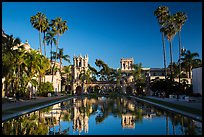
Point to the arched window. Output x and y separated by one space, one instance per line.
124 65
80 64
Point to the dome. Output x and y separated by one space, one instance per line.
26 45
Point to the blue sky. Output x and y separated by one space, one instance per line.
107 30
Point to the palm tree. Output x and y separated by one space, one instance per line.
67 71
45 30
99 63
17 70
22 65
85 76
180 19
161 13
58 27
61 56
39 22
50 39
175 67
118 77
8 60
43 64
106 73
32 66
64 57
190 60
137 71
170 31
93 72
8 44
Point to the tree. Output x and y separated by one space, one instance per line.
64 57
68 72
93 72
106 72
137 72
39 22
45 88
45 30
162 13
175 67
180 19
170 31
8 44
139 78
118 77
189 60
8 60
50 39
61 56
58 27
19 60
43 65
85 77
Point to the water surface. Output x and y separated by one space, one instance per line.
102 116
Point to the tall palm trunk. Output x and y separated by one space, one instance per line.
40 41
44 45
61 71
179 34
51 53
55 56
18 80
67 83
171 60
164 52
40 80
51 58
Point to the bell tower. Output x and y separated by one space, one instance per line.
126 64
80 63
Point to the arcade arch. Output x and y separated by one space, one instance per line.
78 90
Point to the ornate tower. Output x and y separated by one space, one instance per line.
126 64
80 63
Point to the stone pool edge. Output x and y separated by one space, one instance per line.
190 115
20 113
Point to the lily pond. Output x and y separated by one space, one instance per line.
102 116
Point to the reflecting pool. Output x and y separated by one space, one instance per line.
102 116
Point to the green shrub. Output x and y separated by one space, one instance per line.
45 88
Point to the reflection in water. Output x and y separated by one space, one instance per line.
101 115
128 121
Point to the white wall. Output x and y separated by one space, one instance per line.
56 81
197 80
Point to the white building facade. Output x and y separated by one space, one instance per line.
197 80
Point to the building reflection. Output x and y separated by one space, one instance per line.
78 111
80 118
128 121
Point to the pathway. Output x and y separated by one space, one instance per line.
22 103
197 104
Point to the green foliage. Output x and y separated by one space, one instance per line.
168 87
45 88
